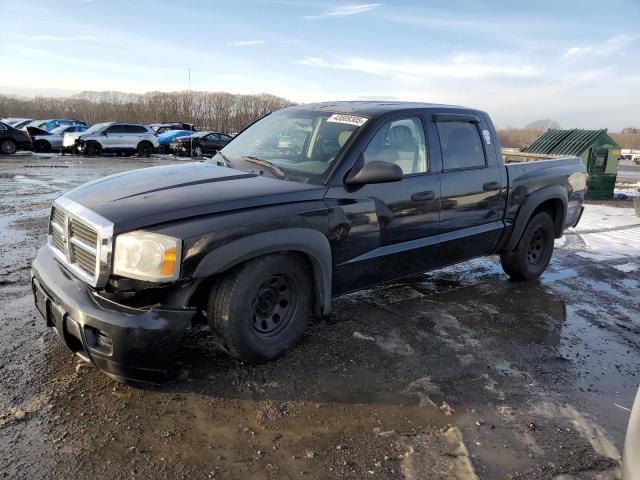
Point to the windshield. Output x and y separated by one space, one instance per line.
97 128
200 134
59 130
300 143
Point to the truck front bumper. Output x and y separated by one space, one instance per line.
125 343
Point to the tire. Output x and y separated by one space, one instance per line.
532 255
260 309
92 149
145 149
42 146
8 146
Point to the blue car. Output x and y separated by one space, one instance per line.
165 139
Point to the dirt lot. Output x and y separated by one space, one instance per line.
459 373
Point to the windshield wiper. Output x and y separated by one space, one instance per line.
259 161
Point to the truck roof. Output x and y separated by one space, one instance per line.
371 108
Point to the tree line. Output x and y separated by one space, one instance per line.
219 111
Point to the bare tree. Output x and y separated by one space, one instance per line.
218 111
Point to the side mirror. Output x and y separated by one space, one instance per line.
375 172
103 133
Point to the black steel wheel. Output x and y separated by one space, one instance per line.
532 255
259 309
274 305
537 247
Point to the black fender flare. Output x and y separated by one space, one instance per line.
312 243
533 201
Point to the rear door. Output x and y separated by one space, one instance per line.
472 187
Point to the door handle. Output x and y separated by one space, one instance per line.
423 196
491 186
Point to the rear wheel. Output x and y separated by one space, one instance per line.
533 253
260 309
145 149
8 146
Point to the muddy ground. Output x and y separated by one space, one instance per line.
455 374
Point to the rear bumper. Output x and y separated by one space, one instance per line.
125 343
24 145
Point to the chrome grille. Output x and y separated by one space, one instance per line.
82 240
57 228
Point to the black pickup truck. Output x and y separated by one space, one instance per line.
308 203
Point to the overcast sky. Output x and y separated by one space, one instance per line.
577 62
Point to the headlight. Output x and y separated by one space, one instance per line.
147 256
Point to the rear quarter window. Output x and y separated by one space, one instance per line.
461 145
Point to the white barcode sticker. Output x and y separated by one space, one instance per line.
349 119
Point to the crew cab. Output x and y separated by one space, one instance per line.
310 202
114 137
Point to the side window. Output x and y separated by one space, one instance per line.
214 137
400 141
115 129
461 145
139 129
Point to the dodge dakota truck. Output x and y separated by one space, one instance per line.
308 203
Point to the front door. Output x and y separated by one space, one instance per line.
472 188
392 227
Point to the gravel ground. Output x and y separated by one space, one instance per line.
459 373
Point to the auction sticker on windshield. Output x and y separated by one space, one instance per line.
349 119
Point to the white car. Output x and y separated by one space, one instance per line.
112 137
631 460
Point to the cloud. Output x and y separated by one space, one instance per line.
412 71
346 10
612 46
245 43
55 38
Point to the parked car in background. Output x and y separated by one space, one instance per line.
164 127
52 141
50 124
13 139
115 137
636 159
16 122
204 143
165 139
631 458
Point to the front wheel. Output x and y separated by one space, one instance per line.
92 149
260 309
532 255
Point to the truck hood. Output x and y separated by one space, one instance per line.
150 196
